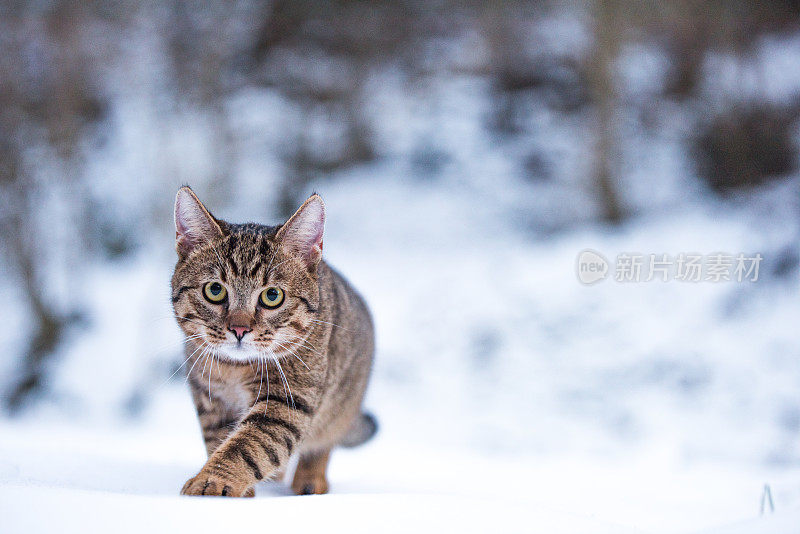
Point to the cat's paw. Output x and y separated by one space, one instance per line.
309 485
209 483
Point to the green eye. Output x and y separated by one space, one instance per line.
272 297
214 292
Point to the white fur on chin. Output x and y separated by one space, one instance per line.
240 353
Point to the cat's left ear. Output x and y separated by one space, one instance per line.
194 224
302 233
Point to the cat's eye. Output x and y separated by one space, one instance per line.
272 297
215 292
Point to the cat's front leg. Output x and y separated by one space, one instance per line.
259 448
217 420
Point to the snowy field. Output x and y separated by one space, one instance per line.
126 480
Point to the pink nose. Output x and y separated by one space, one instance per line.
239 331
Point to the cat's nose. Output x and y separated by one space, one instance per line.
239 330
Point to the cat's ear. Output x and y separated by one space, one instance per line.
194 225
302 233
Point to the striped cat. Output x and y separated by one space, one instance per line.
279 348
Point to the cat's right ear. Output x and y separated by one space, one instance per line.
194 224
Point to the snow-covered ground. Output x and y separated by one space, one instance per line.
125 479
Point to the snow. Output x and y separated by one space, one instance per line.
126 478
339 513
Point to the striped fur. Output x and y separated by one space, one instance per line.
294 384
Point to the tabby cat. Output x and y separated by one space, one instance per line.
279 348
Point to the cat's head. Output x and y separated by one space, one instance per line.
246 291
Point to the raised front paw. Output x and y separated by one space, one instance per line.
210 483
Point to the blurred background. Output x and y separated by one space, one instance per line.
467 152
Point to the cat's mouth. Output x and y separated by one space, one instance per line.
241 351
246 351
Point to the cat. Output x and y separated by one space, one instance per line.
279 348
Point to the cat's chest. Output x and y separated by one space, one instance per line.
234 394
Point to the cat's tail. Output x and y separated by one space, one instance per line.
363 429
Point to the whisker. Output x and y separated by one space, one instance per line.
184 362
304 339
299 346
301 338
211 370
174 344
285 384
302 344
195 362
260 381
187 319
266 368
205 362
290 351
